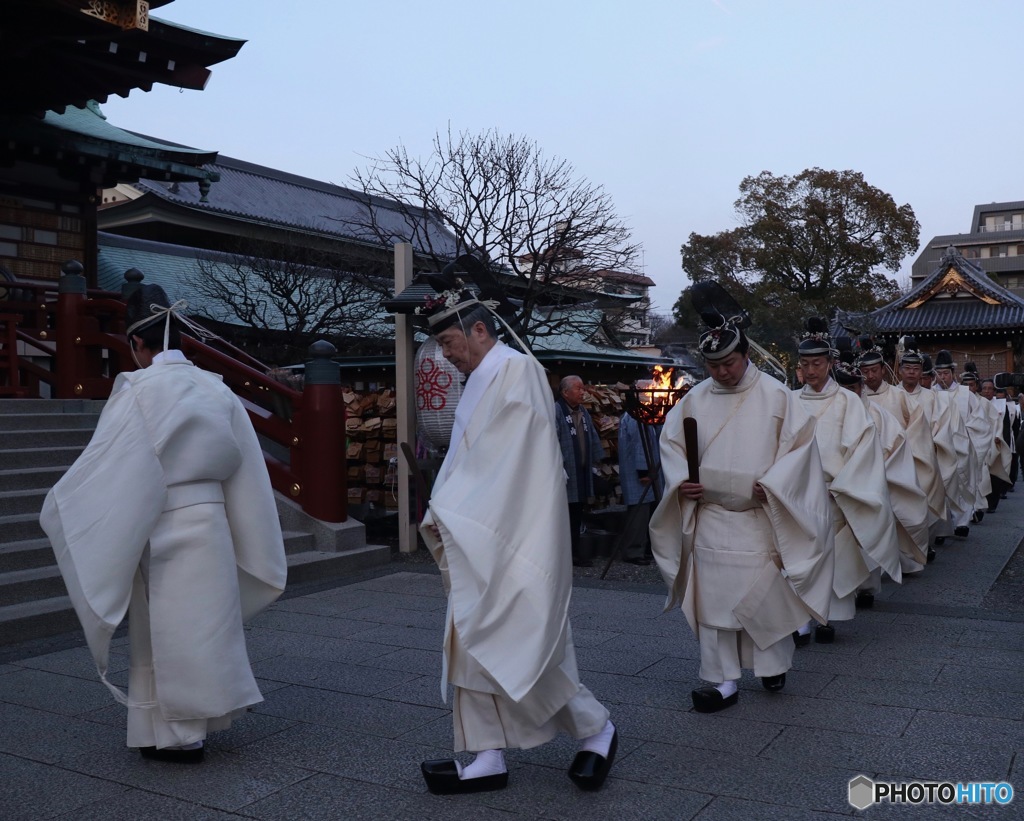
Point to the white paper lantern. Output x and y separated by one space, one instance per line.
438 388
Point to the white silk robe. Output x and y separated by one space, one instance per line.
998 455
754 432
966 462
170 508
500 506
909 502
938 420
917 428
854 468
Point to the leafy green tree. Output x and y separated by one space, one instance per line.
805 245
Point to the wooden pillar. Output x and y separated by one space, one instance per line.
70 295
405 398
323 491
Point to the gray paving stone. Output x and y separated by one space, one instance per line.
224 781
53 738
341 752
44 690
30 790
787 709
956 694
346 599
582 637
389 635
734 774
425 690
995 639
613 689
438 734
719 731
679 646
600 660
77 662
265 643
929 727
7 668
905 757
133 805
330 675
248 729
632 626
419 584
409 660
327 796
735 809
290 622
922 670
388 719
401 617
544 792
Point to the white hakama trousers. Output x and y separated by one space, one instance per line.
732 549
189 670
490 721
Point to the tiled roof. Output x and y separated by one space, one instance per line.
173 267
956 296
272 197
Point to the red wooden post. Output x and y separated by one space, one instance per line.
70 295
321 462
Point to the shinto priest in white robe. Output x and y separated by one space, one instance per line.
169 515
500 506
918 431
744 571
909 502
937 416
851 458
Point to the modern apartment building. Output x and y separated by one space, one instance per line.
995 243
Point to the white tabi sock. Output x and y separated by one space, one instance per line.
599 742
487 762
805 630
726 688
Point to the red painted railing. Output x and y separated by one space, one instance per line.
72 340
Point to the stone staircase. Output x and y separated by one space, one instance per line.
39 439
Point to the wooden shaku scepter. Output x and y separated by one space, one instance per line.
690 440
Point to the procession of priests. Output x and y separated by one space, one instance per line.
784 510
780 513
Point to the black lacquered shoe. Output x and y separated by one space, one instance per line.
442 777
774 683
801 639
864 600
932 555
175 756
961 531
710 700
824 634
589 770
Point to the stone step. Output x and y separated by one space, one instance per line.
47 421
37 619
17 586
69 406
20 528
29 478
53 615
316 565
296 542
26 554
40 457
59 438
16 502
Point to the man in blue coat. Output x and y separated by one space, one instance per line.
581 452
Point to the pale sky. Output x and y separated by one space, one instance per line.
667 105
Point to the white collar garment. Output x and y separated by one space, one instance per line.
479 381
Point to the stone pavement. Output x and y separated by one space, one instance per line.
927 685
